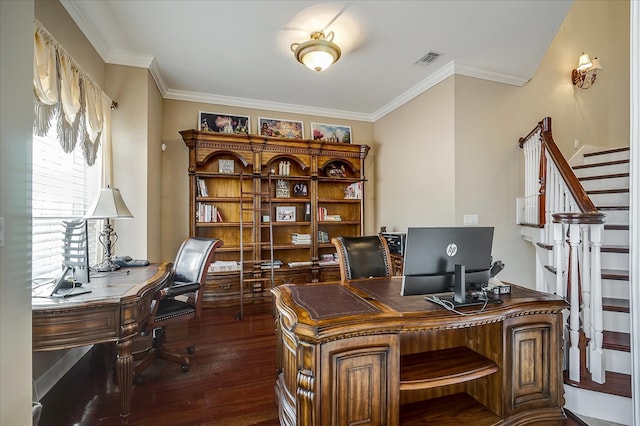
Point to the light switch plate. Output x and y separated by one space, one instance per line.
470 219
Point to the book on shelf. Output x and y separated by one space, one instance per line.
328 259
322 212
207 212
298 264
301 239
323 237
332 218
307 212
224 266
203 191
268 265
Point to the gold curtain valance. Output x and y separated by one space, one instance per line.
65 96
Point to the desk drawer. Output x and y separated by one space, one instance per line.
60 330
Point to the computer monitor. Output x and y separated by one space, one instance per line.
75 260
432 253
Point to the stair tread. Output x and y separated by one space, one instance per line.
613 208
615 305
615 227
607 176
615 384
604 163
615 274
616 340
607 151
615 248
609 191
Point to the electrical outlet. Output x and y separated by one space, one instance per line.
576 143
470 219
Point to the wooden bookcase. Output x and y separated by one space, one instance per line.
229 172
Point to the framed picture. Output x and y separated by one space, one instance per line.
225 166
280 128
285 214
330 133
223 123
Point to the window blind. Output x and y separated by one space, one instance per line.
63 186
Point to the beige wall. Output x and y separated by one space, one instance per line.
136 159
474 125
415 151
16 122
181 115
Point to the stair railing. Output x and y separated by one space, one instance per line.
556 201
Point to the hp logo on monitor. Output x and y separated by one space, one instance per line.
452 249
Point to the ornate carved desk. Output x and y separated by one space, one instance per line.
362 354
118 304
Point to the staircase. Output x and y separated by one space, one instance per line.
583 254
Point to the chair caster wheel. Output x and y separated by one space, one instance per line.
138 380
191 350
184 368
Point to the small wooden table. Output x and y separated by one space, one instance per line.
114 311
362 354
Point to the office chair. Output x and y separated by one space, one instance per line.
179 300
363 257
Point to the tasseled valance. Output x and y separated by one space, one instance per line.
65 96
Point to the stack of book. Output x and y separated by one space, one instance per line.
268 265
301 239
328 259
224 266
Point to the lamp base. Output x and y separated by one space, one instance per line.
106 266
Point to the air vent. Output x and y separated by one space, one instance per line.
428 59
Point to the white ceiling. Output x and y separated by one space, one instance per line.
238 52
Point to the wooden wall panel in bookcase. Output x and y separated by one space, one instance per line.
323 185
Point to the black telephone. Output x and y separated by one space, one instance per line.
128 261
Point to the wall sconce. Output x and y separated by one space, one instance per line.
319 53
584 76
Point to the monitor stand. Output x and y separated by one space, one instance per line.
460 297
64 287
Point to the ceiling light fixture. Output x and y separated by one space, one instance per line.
319 53
584 76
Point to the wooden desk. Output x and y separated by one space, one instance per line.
362 354
114 311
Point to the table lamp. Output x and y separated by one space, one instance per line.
108 205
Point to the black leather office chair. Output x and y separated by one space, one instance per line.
363 257
179 300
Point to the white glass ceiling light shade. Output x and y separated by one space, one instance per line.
319 53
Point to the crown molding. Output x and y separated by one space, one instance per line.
181 95
498 77
87 28
441 74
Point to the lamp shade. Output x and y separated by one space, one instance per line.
595 64
107 205
584 63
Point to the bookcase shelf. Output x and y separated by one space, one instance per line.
319 176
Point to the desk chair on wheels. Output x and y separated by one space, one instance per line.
363 257
179 300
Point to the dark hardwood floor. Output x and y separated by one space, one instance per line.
230 382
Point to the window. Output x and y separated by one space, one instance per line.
63 187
